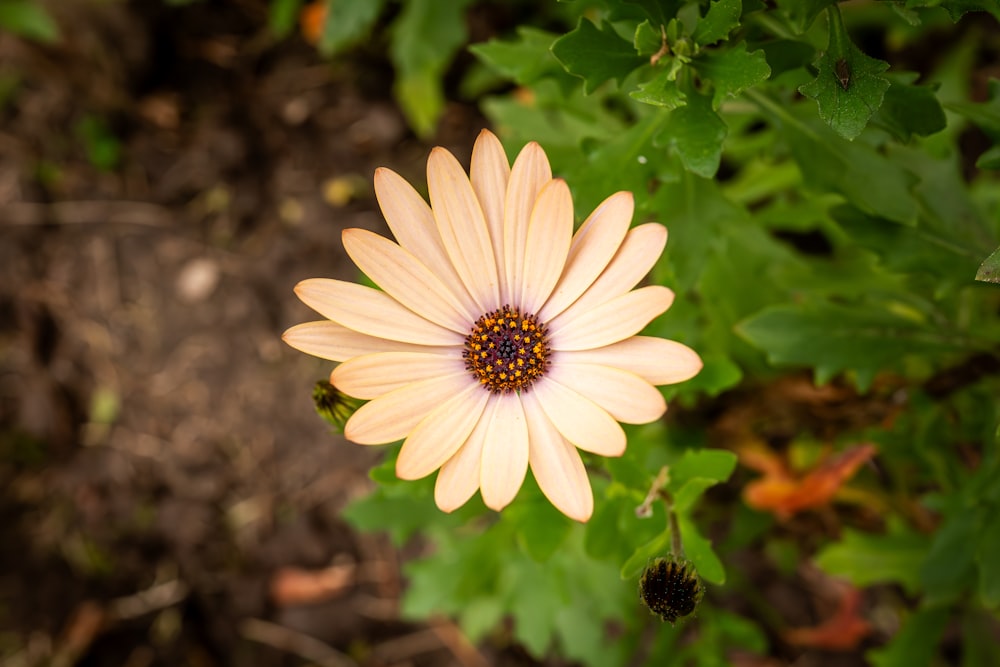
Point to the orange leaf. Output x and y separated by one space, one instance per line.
311 20
293 586
841 632
785 495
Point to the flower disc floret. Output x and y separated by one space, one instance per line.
507 350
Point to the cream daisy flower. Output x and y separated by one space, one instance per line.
500 340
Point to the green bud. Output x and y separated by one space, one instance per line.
670 588
333 405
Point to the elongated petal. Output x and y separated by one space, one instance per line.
392 416
612 321
489 173
439 435
458 479
636 256
372 375
626 396
556 464
371 312
329 340
594 244
580 420
550 231
505 452
406 279
656 360
412 223
531 171
462 227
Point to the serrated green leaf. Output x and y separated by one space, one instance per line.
849 85
648 39
698 549
802 13
987 558
863 176
865 559
696 133
661 91
784 55
28 19
958 8
989 270
990 159
596 54
915 645
949 568
712 464
985 115
425 37
865 338
346 24
731 71
909 110
659 12
526 60
722 17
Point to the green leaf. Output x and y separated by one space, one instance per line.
731 71
802 13
990 159
696 133
989 270
28 19
647 39
987 557
986 115
958 8
916 644
711 464
909 110
661 91
866 178
691 492
865 559
526 60
659 12
425 37
540 528
282 16
865 338
849 86
784 55
949 568
596 54
658 546
723 17
346 24
698 550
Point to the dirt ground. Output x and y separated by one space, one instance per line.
167 493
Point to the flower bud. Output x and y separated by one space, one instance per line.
333 405
670 588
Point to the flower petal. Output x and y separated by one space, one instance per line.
656 360
462 226
406 279
439 435
371 312
636 256
372 375
458 479
594 244
505 452
626 396
489 173
530 172
412 223
580 420
329 340
550 231
392 416
612 321
556 464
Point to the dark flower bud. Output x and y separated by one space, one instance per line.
670 588
333 405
